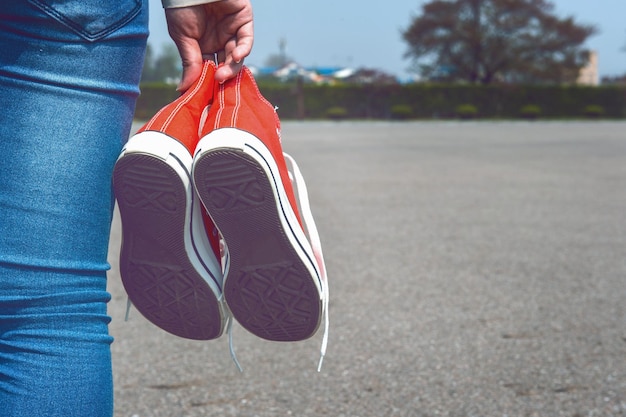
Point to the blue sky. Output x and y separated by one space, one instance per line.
362 33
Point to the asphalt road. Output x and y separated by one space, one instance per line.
476 269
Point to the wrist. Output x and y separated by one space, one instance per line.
171 4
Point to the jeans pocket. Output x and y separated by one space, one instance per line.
91 19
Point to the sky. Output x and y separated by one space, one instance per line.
361 33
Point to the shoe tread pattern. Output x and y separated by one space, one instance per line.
268 288
156 271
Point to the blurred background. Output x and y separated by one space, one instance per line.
478 58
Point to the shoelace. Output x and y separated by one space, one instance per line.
302 199
229 331
231 347
225 260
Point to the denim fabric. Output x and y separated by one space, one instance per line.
69 74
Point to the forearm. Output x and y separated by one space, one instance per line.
170 4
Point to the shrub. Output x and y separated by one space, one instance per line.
466 111
427 100
530 111
154 96
401 112
593 111
336 113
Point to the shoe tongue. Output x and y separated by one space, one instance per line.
207 123
240 104
190 108
181 118
202 91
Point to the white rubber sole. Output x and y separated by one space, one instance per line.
166 263
273 286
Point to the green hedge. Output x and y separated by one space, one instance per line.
423 101
154 96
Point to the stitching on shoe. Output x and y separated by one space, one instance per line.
187 99
218 116
237 99
260 96
179 105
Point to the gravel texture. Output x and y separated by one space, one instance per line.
476 269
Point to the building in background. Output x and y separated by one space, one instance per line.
589 73
325 75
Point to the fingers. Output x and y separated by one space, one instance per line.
245 39
191 57
231 65
236 50
227 71
185 26
203 28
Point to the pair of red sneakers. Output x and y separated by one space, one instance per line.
208 170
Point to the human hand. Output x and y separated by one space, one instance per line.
224 27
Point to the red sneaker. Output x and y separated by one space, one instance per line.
276 283
169 268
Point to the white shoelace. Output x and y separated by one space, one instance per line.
310 230
229 331
231 347
128 306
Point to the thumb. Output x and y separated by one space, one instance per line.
191 56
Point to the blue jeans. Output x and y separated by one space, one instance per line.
69 75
